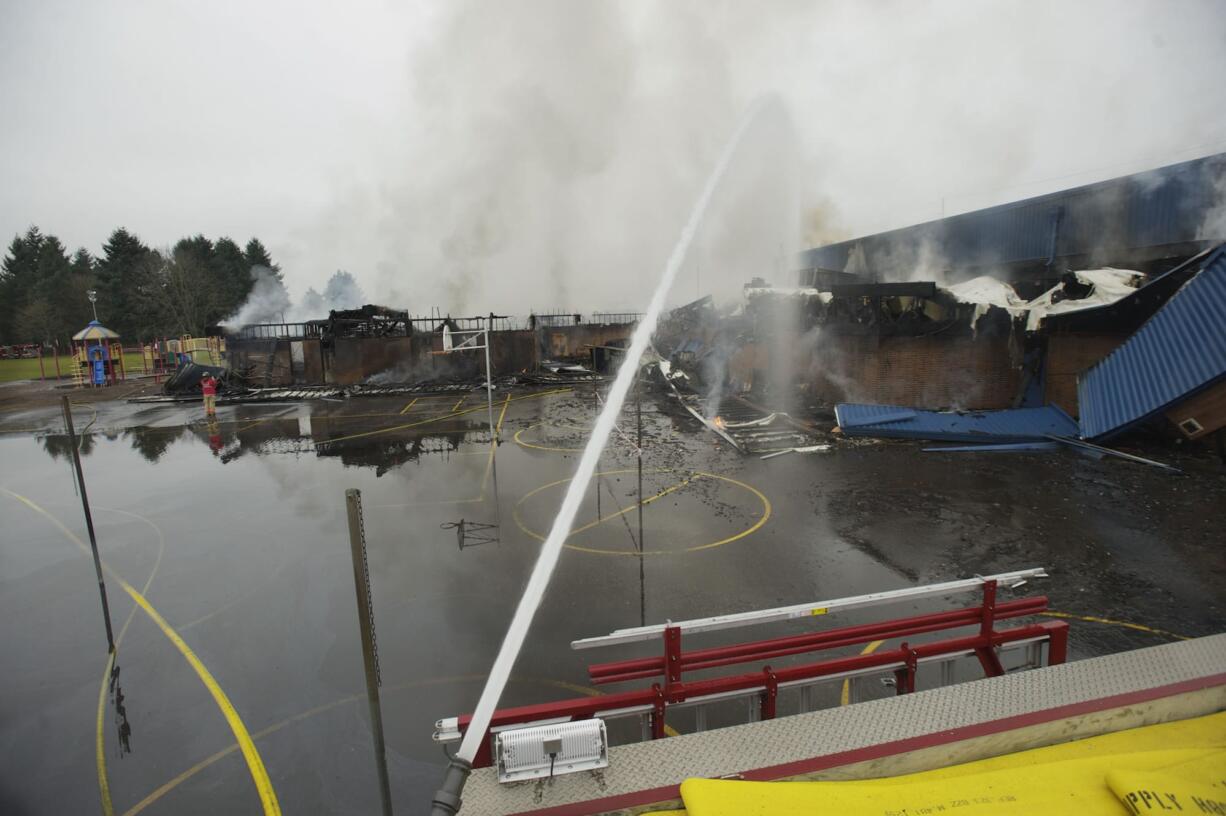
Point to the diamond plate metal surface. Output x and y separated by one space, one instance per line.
727 751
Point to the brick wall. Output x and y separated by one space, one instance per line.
1069 354
920 372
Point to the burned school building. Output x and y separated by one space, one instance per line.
1004 307
378 344
1020 305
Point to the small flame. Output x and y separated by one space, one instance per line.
718 422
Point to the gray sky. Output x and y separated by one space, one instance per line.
545 153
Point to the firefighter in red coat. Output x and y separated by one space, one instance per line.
208 386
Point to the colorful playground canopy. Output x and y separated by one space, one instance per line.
95 331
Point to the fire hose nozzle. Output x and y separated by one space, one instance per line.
447 798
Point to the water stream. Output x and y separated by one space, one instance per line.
552 548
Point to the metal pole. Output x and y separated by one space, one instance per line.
366 625
489 380
638 408
638 405
89 523
595 417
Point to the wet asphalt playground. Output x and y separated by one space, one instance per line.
232 595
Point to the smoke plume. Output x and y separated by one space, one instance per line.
551 148
269 301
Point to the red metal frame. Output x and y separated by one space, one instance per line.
674 662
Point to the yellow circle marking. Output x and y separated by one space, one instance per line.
766 513
1051 613
845 695
519 440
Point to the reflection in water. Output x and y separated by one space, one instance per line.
384 451
151 443
215 443
122 727
59 446
387 452
472 533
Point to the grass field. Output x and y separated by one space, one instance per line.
27 369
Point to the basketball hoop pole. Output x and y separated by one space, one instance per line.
489 381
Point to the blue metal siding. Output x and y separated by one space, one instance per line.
1158 207
1179 351
898 422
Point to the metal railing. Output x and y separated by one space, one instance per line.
762 686
277 331
614 318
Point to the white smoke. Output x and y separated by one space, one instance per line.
1213 227
269 301
544 150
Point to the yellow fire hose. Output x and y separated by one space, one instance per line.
1179 766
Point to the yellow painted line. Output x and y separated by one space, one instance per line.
644 503
489 463
519 440
255 422
456 407
765 516
183 627
523 443
1112 622
845 696
489 466
268 797
519 522
255 764
412 402
437 418
104 785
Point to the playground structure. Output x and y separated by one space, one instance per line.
99 356
161 357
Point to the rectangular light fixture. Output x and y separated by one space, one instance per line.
551 750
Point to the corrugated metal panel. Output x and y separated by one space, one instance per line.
898 422
1155 208
1179 351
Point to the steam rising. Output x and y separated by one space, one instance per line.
547 145
269 301
516 155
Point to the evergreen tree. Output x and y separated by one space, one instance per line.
83 263
141 293
128 287
49 310
343 292
75 304
234 279
18 280
313 306
257 255
192 289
